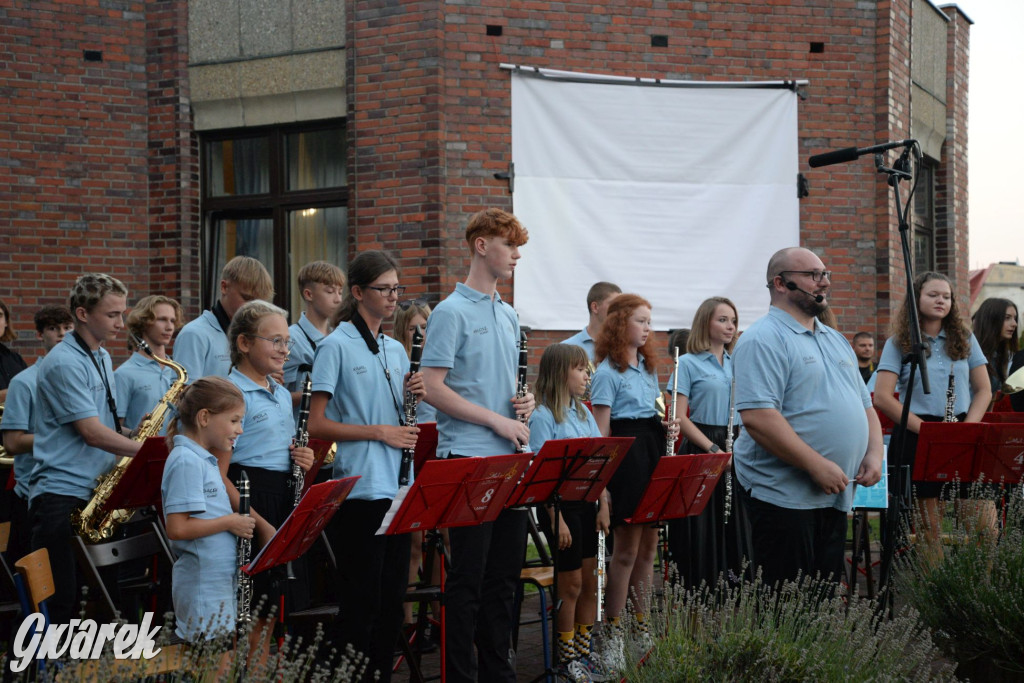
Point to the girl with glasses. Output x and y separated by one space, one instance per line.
360 377
260 342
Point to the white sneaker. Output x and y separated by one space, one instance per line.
643 643
612 653
574 671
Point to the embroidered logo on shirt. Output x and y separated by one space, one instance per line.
259 417
480 330
211 491
359 369
810 359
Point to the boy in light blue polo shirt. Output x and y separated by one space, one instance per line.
52 323
598 298
141 380
469 368
321 285
202 345
77 436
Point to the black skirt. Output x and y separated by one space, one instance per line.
630 480
708 545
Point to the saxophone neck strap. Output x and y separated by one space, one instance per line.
103 376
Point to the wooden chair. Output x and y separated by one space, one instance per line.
34 571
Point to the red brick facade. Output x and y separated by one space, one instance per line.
99 166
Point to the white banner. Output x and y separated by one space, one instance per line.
673 193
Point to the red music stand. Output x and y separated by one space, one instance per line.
680 486
139 486
1003 418
303 526
568 470
320 450
969 452
455 492
426 445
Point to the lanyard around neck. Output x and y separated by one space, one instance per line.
103 376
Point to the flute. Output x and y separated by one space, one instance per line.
409 408
521 386
600 571
301 439
670 437
244 552
728 448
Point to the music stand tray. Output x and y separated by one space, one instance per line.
139 486
303 526
575 469
680 486
426 445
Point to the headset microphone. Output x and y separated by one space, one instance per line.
790 285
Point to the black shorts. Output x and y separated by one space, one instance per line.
581 518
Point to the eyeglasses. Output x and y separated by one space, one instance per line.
816 275
388 291
279 343
419 303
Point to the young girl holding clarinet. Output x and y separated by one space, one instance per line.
200 524
362 390
959 383
624 392
259 342
560 414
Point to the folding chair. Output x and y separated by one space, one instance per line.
151 583
34 571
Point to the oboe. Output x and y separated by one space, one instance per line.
409 408
670 438
728 447
301 439
244 553
521 386
950 415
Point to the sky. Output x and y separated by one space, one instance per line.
995 102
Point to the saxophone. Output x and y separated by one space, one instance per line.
950 415
409 408
95 523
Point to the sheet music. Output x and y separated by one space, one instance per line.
389 516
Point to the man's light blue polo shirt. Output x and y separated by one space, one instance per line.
203 577
706 386
68 389
476 338
813 381
631 394
202 348
18 415
362 394
938 372
583 338
268 427
141 383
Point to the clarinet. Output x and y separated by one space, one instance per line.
244 557
670 440
301 440
950 415
521 386
728 448
409 407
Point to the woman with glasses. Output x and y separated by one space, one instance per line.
360 378
260 342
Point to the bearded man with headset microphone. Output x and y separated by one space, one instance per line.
810 433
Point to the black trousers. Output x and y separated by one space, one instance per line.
373 574
50 516
789 543
480 598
